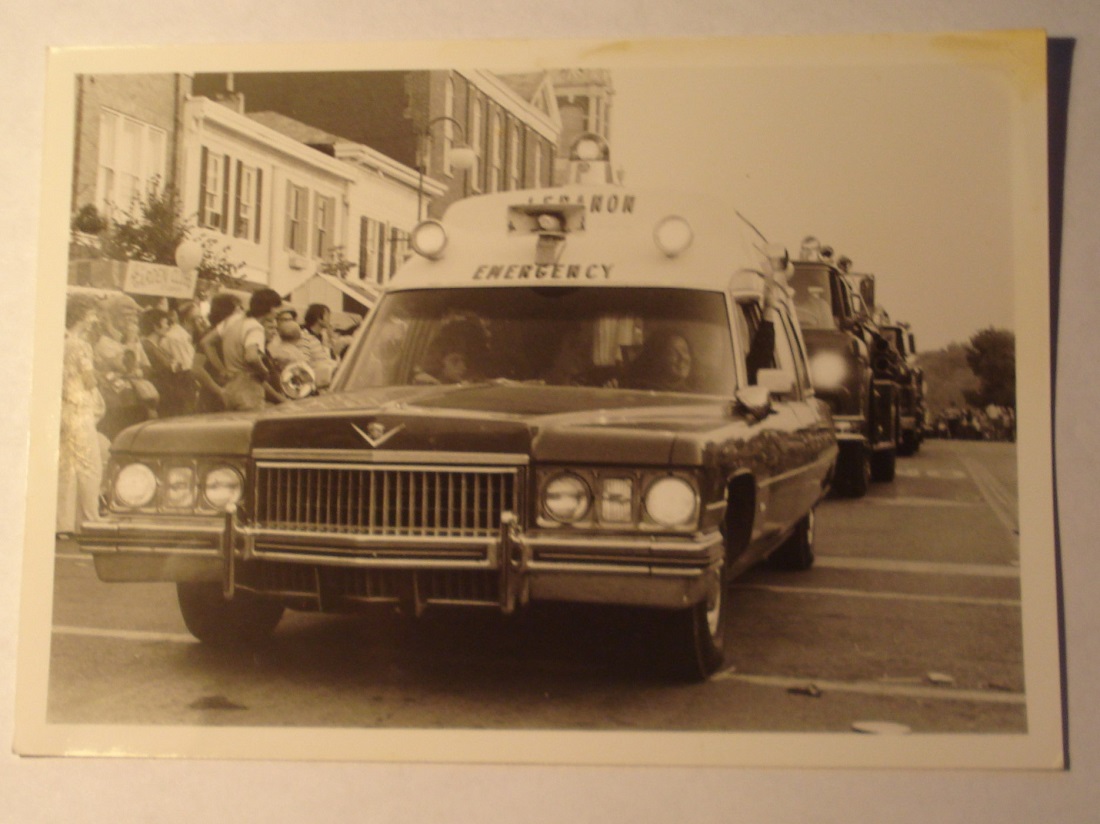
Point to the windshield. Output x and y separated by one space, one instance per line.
812 298
671 340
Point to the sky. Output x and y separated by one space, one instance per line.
906 169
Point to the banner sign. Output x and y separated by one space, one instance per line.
157 279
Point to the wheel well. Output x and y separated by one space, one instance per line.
740 513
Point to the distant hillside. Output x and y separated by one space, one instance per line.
947 375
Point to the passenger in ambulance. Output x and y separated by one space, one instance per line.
666 363
813 308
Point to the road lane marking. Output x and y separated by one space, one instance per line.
937 474
1000 500
874 688
884 596
918 567
126 634
916 501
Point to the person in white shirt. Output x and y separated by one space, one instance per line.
244 349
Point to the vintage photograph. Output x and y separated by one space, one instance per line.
639 403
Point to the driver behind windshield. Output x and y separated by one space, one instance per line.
457 355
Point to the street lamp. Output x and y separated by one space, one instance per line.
462 156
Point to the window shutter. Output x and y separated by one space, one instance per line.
383 241
288 238
202 187
237 228
330 226
259 200
225 196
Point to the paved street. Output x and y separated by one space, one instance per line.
911 615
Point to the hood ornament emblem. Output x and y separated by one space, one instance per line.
376 434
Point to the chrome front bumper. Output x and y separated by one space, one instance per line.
638 570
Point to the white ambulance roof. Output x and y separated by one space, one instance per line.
615 247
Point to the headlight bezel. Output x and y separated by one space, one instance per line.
678 486
178 485
126 501
582 490
235 472
609 510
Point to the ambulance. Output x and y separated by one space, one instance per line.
587 394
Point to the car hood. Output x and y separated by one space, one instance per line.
545 422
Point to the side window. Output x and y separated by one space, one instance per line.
756 339
793 348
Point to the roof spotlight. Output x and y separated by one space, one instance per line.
673 235
429 239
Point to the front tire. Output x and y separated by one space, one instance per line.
910 443
694 638
853 470
245 619
797 552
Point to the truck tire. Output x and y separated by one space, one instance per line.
883 465
853 470
244 620
910 443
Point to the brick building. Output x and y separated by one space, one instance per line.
514 137
126 137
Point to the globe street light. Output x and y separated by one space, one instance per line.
462 157
188 255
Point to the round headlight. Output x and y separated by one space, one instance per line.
222 486
828 370
135 485
179 487
671 502
566 498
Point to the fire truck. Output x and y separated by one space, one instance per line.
586 394
852 364
912 408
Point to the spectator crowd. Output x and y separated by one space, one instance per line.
125 362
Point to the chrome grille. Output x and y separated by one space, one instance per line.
416 501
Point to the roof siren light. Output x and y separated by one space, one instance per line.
811 247
673 235
844 264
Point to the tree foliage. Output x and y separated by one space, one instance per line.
947 376
151 233
991 355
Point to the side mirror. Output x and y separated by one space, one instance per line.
755 400
776 381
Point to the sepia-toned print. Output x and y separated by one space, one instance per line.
679 398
